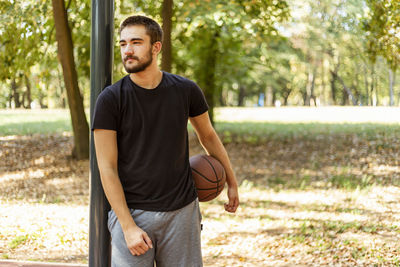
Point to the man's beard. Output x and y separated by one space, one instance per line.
141 66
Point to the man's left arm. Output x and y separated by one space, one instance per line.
214 147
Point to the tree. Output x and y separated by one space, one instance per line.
333 51
213 34
65 53
166 14
330 37
20 42
382 26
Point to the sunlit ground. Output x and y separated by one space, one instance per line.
304 227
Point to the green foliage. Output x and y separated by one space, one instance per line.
18 241
382 25
235 50
332 44
28 48
216 41
23 41
20 35
212 40
80 25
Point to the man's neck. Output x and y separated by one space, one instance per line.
149 78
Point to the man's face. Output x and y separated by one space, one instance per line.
136 49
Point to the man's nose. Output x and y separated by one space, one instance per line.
128 49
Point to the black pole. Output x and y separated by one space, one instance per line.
101 62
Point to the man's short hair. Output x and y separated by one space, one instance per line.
153 29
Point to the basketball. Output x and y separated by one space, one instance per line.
208 175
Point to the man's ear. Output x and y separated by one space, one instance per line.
157 47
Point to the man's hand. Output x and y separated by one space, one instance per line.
233 197
137 240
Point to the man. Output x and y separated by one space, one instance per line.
141 140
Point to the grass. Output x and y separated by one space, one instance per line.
255 125
350 182
27 122
257 132
18 241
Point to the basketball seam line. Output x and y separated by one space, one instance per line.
203 198
199 173
223 173
215 173
211 188
216 176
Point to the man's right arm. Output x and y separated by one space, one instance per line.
107 158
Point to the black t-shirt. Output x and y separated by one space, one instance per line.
152 138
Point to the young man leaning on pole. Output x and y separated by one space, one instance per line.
141 140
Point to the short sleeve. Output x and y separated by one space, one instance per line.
198 103
105 115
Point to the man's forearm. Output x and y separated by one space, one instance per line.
214 147
116 197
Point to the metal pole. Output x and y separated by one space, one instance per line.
101 62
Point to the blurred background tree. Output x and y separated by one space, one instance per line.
382 26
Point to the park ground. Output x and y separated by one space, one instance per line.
318 186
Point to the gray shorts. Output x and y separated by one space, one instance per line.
175 236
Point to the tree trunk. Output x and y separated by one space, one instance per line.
65 54
324 85
333 89
42 96
347 90
391 85
10 98
286 96
376 79
28 93
394 79
211 62
268 96
205 71
166 60
372 85
63 102
274 98
357 94
24 99
307 92
304 96
241 96
312 89
366 86
222 98
334 75
15 93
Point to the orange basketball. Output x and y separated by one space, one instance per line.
209 176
